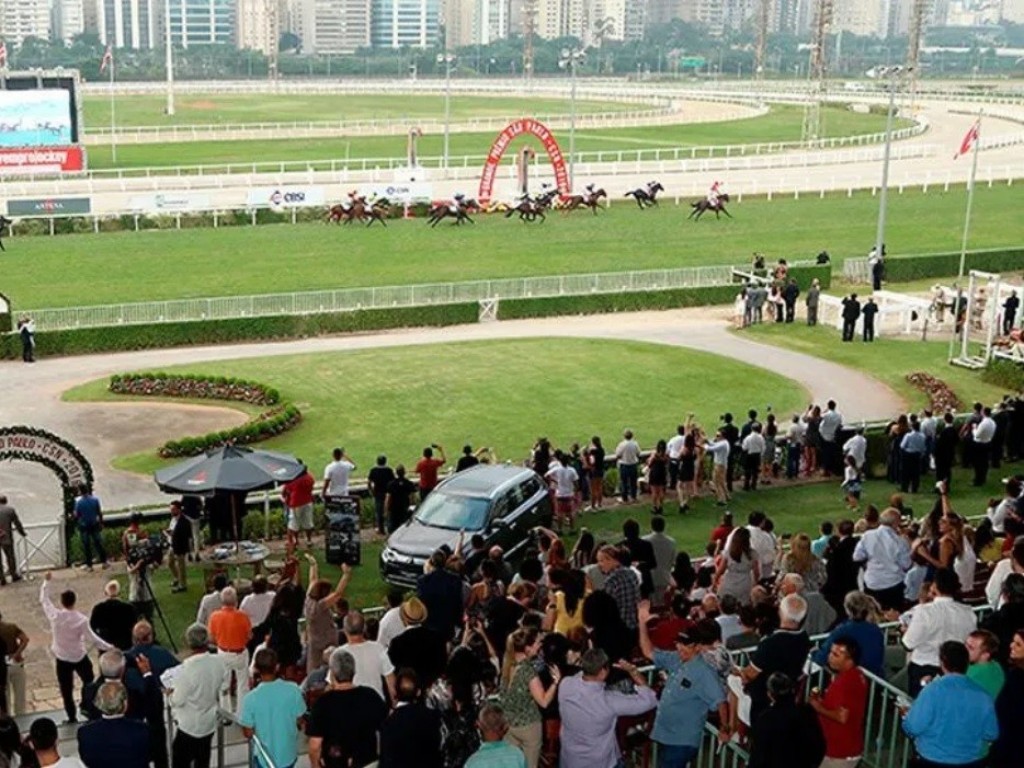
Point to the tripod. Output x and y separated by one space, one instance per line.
144 578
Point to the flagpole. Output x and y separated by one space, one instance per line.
113 116
963 246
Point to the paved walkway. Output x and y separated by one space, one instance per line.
105 430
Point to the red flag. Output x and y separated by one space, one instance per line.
108 59
3 53
968 143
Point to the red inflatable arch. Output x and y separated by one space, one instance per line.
501 143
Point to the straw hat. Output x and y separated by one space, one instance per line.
413 612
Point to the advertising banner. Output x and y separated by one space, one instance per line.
511 132
169 202
50 206
286 197
35 118
42 160
399 191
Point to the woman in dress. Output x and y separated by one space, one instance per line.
688 471
523 694
738 571
771 433
801 560
657 476
564 610
812 439
595 470
321 631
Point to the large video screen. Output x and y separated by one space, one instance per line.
36 118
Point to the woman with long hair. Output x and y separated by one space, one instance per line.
771 434
738 571
595 471
657 476
812 439
321 631
584 551
564 610
485 592
523 694
801 560
688 470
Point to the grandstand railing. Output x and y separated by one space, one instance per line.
380 297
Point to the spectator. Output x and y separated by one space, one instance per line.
230 630
273 713
1010 709
801 560
345 722
399 499
857 447
620 583
159 660
738 569
89 517
43 738
1005 622
495 751
692 690
565 484
13 751
788 734
1012 564
841 711
298 500
748 636
982 651
391 625
627 456
932 625
720 533
820 615
729 619
722 462
336 474
664 547
982 435
317 679
71 634
14 641
841 570
427 469
595 465
820 544
887 555
112 665
523 693
319 611
441 592
114 740
953 720
211 602
418 647
861 626
590 711
181 548
113 618
256 605
194 696
412 734
378 481
373 667
639 553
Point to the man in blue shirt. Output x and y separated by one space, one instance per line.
272 714
912 455
692 690
953 720
89 517
494 752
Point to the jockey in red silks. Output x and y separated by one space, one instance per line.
716 190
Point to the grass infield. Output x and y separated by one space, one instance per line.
160 265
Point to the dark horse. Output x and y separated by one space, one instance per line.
584 201
528 210
646 196
443 211
5 225
702 206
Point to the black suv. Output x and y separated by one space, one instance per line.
501 503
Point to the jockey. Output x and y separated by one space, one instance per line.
353 196
590 190
713 193
456 204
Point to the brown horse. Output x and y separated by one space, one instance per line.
443 211
575 202
702 206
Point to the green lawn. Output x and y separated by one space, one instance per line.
783 123
889 360
160 265
502 394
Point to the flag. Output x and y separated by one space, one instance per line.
108 59
3 53
968 143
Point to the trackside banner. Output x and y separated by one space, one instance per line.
286 197
42 160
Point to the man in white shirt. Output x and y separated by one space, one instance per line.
1012 564
674 448
981 435
337 473
857 446
1008 504
627 454
256 605
753 449
719 450
44 738
194 699
391 624
373 665
831 422
887 555
565 482
71 637
210 604
794 446
932 624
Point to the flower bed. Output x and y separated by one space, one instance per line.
280 417
940 397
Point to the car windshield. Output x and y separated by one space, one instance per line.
443 510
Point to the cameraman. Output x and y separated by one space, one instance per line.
137 553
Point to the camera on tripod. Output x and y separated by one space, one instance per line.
149 551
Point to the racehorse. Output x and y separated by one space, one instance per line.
702 206
646 196
5 224
444 210
528 210
584 201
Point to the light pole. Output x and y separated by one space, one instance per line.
447 59
169 61
892 75
570 59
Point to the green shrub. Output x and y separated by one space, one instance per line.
615 302
1004 373
903 269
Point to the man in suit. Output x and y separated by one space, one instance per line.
112 619
146 653
115 741
841 569
851 311
869 310
181 547
138 701
412 733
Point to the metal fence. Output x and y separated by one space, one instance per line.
381 297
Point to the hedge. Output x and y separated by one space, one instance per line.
904 269
86 341
1004 373
511 309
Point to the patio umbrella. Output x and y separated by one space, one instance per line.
229 469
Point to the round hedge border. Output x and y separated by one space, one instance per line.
278 418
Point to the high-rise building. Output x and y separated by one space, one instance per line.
136 24
202 22
861 17
399 23
258 26
24 18
335 26
1013 11
475 22
708 13
737 13
68 19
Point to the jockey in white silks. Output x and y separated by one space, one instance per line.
456 204
713 193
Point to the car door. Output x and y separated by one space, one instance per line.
536 502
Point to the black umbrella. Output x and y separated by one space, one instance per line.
229 469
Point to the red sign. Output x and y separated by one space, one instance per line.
42 160
512 130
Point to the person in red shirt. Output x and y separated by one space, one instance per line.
427 468
298 498
841 710
721 533
663 634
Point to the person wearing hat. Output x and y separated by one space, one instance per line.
693 689
418 647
